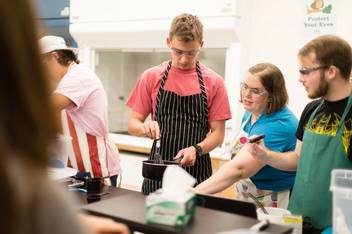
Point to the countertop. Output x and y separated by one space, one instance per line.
143 145
129 207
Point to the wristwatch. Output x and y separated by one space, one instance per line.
199 151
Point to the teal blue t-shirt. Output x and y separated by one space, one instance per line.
279 129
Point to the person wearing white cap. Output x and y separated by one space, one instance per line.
80 93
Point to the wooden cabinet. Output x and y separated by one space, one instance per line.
230 191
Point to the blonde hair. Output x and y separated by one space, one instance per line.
187 28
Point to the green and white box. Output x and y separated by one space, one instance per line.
170 210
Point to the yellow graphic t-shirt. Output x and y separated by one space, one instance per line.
327 120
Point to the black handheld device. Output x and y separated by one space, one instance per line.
256 139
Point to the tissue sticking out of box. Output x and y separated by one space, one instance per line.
173 204
176 181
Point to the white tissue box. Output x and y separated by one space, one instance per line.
170 211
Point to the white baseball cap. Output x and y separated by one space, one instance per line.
50 43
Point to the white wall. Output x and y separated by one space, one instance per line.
266 31
276 35
131 176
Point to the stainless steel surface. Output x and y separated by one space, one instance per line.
157 156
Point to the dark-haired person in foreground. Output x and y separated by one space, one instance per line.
30 202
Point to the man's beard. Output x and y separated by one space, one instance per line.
322 89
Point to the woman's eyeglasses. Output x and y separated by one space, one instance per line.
255 92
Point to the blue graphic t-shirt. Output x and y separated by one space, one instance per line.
279 129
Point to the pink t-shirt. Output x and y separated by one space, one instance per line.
143 96
86 91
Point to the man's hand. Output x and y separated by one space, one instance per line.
150 129
188 156
139 126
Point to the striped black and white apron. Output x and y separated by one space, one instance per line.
183 122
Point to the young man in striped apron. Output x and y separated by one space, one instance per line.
188 103
324 133
82 99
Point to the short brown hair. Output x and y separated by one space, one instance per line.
330 50
187 27
273 81
65 57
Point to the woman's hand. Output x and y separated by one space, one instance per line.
258 151
99 225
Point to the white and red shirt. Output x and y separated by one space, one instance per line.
89 119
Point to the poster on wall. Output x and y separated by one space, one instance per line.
319 17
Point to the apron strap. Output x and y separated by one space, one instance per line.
345 112
202 88
161 89
313 114
201 85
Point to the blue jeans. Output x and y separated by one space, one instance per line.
113 180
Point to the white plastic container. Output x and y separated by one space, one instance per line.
341 186
282 217
275 214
